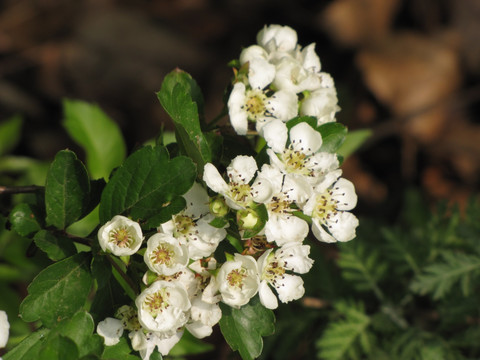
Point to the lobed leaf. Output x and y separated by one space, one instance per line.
67 190
59 291
146 183
243 328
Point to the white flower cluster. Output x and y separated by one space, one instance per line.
280 80
268 210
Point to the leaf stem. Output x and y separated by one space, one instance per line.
122 273
19 189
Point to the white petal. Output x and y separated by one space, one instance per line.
4 329
275 134
165 345
197 201
344 192
343 226
198 329
111 330
311 61
238 116
242 169
277 38
267 297
320 233
260 73
305 139
321 103
294 256
214 180
252 52
289 287
283 229
283 105
262 189
208 314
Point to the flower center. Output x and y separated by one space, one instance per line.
120 237
273 271
183 224
235 277
325 206
240 193
255 104
163 254
157 302
295 161
280 205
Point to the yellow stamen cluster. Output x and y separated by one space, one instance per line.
183 224
273 271
255 104
163 254
325 206
157 302
235 277
120 237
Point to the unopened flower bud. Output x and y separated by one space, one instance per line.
218 207
247 219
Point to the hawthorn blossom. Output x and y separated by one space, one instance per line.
191 226
238 192
163 308
111 330
120 236
238 280
282 226
4 329
321 103
165 255
277 38
146 342
254 104
260 71
301 160
329 207
203 316
273 267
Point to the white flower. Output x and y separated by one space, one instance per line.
282 226
120 236
163 307
4 329
301 160
277 38
290 75
260 71
145 343
273 269
308 58
245 104
238 280
322 104
238 192
329 207
203 317
165 255
111 330
191 226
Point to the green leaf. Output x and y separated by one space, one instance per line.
190 345
147 182
10 132
59 291
181 99
342 337
66 190
98 135
243 328
28 348
25 219
121 350
58 348
56 248
455 268
310 120
353 140
333 136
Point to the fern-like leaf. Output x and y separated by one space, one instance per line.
343 338
455 268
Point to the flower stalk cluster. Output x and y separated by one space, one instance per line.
266 210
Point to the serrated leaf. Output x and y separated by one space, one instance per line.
243 328
181 99
67 190
98 135
59 291
28 348
333 136
438 278
58 348
145 183
353 140
56 248
342 336
10 132
25 219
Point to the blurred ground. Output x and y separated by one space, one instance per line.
409 70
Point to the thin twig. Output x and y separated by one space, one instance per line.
124 276
19 189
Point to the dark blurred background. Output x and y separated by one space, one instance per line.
409 70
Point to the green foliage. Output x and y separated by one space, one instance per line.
353 140
243 328
97 134
25 219
333 136
55 246
10 132
148 183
